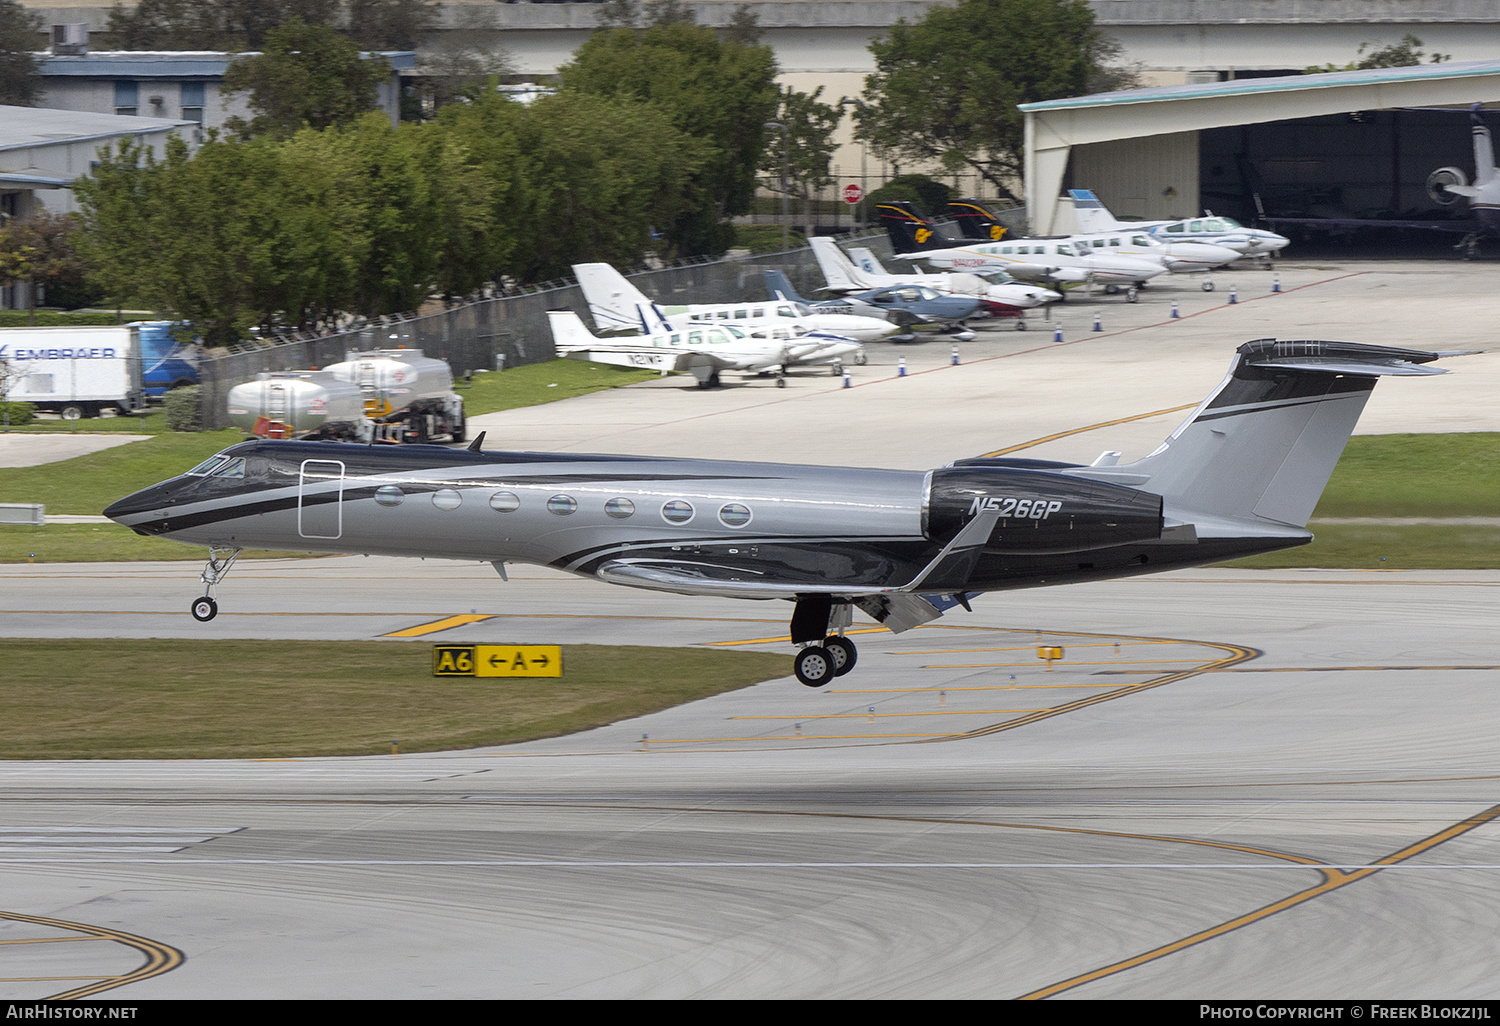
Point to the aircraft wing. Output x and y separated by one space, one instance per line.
1466 227
720 577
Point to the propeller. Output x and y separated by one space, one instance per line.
1439 181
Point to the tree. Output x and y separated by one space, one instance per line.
41 250
810 126
246 24
1405 54
718 91
946 90
19 39
307 75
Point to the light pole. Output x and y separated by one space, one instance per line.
864 148
785 158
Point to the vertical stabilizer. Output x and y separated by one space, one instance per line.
910 232
842 275
617 305
976 221
568 332
1484 149
1091 213
1261 448
781 288
867 261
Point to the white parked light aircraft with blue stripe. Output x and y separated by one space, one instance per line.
1219 231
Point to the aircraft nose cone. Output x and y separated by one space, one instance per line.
156 499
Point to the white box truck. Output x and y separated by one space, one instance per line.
73 371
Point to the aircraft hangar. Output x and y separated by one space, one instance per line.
1347 144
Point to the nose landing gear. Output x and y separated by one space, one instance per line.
220 559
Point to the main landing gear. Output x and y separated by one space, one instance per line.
220 559
818 624
816 665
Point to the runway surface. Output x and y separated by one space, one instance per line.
1234 784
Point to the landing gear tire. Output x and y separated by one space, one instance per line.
844 654
1111 290
836 368
1208 286
1020 325
815 666
205 609
861 359
781 381
1131 296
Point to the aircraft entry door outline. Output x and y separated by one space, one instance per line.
322 519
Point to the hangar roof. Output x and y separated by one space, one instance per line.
1252 86
1054 127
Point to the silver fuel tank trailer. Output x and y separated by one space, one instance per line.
303 401
394 379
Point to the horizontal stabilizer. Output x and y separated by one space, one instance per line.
1338 358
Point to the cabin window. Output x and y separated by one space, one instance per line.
741 315
677 511
620 508
389 495
562 505
447 498
734 514
505 502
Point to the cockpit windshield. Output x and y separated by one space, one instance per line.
208 466
220 465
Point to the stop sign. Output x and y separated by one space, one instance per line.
853 194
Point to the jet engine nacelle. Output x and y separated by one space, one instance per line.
1040 511
1438 182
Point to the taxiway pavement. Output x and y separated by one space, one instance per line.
1235 785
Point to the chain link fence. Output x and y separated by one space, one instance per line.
505 331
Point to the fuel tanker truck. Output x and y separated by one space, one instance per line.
385 395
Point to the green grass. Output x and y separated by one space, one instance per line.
100 543
151 422
86 484
538 383
1416 476
1388 547
187 699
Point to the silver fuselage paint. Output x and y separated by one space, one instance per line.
521 507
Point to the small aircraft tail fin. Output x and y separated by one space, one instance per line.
976 220
842 275
866 260
568 332
1484 149
1091 213
615 304
1260 449
910 232
781 288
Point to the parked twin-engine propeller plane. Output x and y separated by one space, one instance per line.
1241 475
